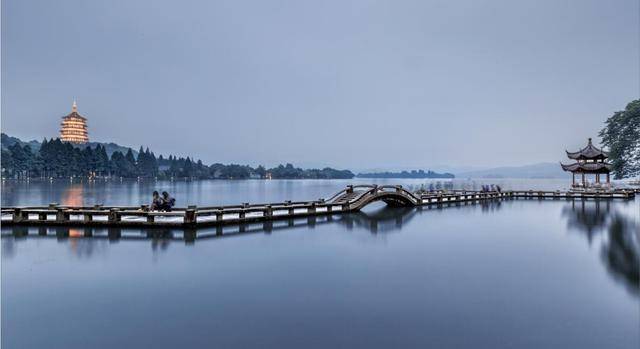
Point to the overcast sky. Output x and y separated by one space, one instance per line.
355 84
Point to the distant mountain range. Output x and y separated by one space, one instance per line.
416 174
541 170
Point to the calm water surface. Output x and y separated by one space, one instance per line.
510 274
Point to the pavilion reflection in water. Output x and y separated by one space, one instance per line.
620 249
590 218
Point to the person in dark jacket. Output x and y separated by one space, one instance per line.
167 202
156 202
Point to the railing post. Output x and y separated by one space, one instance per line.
62 215
114 215
17 215
190 215
219 215
349 189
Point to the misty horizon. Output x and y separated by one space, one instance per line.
408 85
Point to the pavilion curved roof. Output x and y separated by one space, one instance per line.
587 167
588 152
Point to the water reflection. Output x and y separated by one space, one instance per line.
73 195
83 242
620 250
588 217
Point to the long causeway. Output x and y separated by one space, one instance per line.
350 199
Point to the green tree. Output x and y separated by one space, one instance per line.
7 163
622 135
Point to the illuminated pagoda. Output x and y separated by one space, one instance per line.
74 127
589 160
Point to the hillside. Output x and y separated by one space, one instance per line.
8 141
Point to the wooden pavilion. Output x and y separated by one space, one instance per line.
588 160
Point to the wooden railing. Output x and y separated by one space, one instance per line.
193 216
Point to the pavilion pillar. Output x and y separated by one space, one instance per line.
573 182
607 178
598 178
583 181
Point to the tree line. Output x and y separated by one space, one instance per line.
622 135
57 159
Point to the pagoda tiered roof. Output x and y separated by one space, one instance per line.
587 167
74 115
590 152
74 127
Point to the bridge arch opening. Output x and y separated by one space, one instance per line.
392 199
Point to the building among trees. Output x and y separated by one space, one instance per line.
54 158
74 127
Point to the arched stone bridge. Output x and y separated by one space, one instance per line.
355 197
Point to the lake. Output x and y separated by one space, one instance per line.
503 274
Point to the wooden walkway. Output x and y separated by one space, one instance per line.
350 199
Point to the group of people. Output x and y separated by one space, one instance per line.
492 187
162 203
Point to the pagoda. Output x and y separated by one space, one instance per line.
74 127
589 160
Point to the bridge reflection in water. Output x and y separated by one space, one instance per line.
87 240
381 220
384 219
617 232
